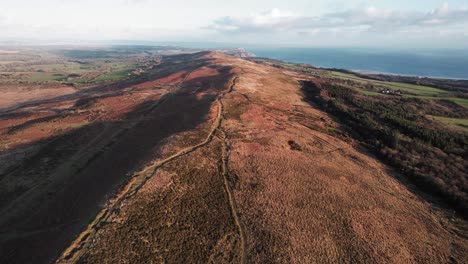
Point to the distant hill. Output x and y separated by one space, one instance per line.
202 157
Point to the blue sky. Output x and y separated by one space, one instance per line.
292 23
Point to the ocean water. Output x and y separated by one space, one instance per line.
431 63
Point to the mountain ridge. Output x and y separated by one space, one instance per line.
237 166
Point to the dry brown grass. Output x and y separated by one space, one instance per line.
179 216
13 94
329 202
302 191
303 194
49 196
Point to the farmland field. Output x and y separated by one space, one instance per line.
371 87
460 123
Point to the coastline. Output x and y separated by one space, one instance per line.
385 62
367 72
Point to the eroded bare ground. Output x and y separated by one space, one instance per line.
212 159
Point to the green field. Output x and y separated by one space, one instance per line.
414 89
417 91
70 71
112 76
461 101
459 123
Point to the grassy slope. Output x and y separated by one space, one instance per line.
458 123
418 91
94 72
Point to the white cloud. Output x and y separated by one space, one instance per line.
182 20
272 19
370 19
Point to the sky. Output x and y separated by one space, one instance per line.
270 23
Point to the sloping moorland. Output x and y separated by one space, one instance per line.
210 158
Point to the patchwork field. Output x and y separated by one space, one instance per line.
371 87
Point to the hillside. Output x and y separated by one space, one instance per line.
206 157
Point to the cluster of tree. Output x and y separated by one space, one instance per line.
440 107
435 159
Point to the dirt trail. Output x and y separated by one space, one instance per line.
73 253
225 172
239 192
232 201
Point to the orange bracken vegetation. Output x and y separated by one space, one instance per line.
222 160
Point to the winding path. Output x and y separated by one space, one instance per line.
225 172
76 250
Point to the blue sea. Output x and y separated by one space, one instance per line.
431 63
